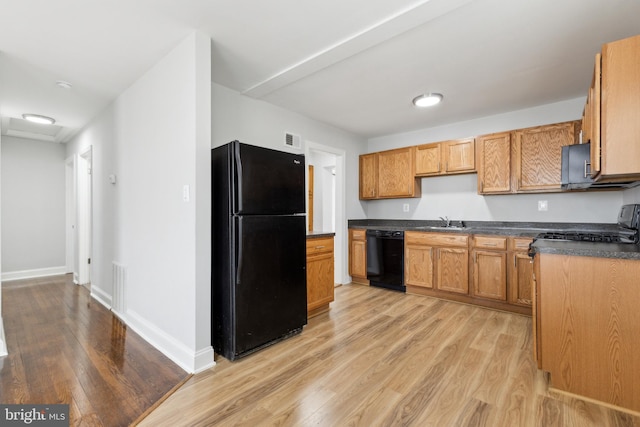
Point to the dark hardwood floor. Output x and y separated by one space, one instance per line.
64 347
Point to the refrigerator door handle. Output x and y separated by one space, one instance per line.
239 255
238 180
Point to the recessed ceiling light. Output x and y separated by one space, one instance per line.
427 100
37 118
63 84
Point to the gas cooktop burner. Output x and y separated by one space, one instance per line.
622 236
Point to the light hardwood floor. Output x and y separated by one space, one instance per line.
383 358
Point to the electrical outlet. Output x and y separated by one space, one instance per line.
405 207
543 205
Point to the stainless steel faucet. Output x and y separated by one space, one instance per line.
446 220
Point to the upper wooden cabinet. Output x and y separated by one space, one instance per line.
525 160
494 163
538 156
389 174
448 157
369 176
616 93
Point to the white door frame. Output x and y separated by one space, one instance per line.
84 216
70 217
340 241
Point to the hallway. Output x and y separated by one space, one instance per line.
64 347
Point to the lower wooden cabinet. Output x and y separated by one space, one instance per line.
358 255
587 326
320 277
437 261
520 272
489 258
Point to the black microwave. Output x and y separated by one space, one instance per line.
576 170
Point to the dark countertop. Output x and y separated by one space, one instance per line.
317 234
600 250
518 229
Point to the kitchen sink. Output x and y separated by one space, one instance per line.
441 227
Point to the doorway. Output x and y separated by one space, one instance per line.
328 199
79 217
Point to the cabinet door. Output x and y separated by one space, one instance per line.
620 97
319 280
428 159
490 275
521 279
453 270
418 266
396 173
357 254
494 163
538 156
460 156
369 176
594 129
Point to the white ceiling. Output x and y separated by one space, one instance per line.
355 64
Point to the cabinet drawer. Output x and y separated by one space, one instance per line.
436 239
320 245
358 234
519 243
487 242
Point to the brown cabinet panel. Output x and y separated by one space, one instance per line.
620 111
320 274
588 326
369 176
453 270
428 159
419 266
396 173
460 156
520 279
490 242
436 239
494 163
538 156
490 275
358 254
389 174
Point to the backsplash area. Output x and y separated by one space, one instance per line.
456 197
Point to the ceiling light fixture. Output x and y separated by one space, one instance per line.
37 118
63 84
427 100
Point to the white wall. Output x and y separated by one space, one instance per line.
33 208
324 190
3 345
456 196
632 195
155 138
259 123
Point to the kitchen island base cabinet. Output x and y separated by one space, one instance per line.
320 277
587 324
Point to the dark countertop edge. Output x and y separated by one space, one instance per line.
518 229
589 249
317 234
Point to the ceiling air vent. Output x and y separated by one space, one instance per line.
291 140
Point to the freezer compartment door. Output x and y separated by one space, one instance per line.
271 281
268 182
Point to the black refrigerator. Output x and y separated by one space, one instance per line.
259 282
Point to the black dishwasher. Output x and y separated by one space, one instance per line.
385 259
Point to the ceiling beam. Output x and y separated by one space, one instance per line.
418 14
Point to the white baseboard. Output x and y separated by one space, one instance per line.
101 296
169 346
30 274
